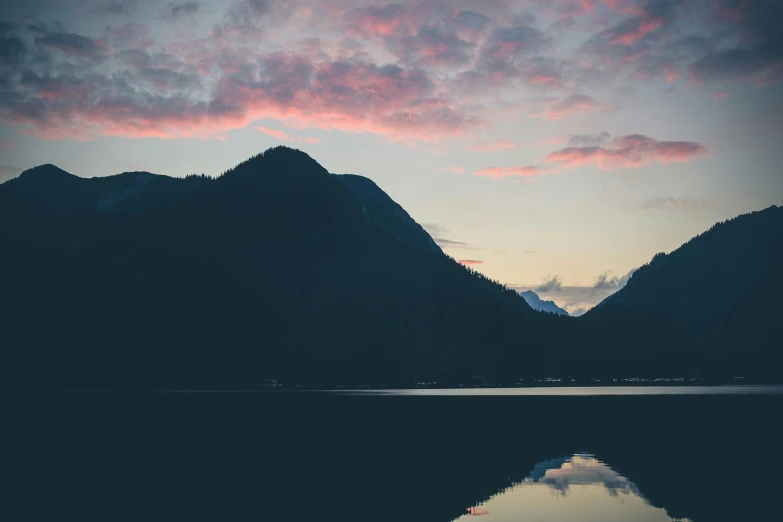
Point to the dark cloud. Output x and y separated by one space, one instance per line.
506 47
739 64
117 7
648 18
759 57
433 45
70 43
542 71
473 20
651 66
420 33
12 49
175 11
166 79
253 16
664 38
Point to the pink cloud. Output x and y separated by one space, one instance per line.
635 30
71 44
491 146
470 262
383 21
284 136
280 135
630 151
566 107
352 96
456 170
443 64
6 145
505 172
548 79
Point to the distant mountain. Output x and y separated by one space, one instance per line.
536 303
716 298
276 269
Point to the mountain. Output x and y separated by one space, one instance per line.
716 300
382 210
276 269
536 303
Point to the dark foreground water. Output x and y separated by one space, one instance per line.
401 457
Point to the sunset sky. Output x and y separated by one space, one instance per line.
556 144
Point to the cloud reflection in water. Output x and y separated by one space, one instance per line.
577 488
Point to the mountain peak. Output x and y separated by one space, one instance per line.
278 166
45 172
536 303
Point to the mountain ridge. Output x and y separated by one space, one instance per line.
271 269
737 317
279 269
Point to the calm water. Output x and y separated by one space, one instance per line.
417 455
581 391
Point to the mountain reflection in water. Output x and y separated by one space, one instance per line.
302 457
579 487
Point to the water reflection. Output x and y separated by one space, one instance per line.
328 457
579 487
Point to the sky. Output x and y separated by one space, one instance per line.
551 144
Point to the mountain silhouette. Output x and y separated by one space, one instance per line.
276 269
382 210
536 303
716 298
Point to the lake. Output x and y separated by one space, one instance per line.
523 454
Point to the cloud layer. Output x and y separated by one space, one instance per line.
417 70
